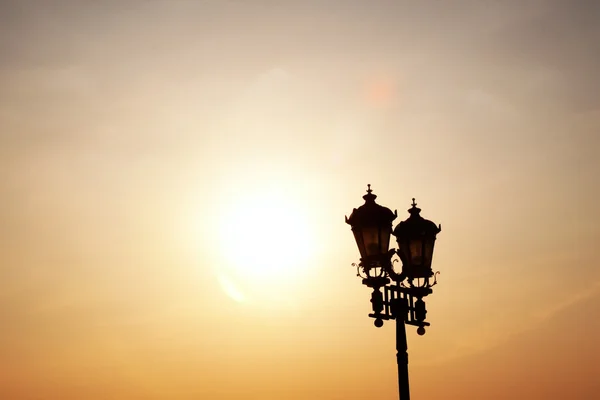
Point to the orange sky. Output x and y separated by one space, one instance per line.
142 141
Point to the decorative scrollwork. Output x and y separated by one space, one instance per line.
435 278
371 269
358 270
367 272
398 277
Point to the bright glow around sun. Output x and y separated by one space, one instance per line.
265 240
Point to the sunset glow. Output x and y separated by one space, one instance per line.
174 176
265 240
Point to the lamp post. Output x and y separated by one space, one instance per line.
395 296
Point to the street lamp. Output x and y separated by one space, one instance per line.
402 295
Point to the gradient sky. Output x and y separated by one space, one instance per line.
140 140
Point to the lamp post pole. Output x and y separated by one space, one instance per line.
402 349
395 295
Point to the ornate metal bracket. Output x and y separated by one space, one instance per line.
397 299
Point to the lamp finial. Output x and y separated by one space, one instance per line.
370 197
414 209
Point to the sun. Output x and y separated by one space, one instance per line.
265 240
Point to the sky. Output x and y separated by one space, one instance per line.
174 177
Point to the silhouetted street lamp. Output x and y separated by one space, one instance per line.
402 296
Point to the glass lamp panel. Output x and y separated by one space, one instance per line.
371 240
359 242
384 239
404 251
416 252
428 253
